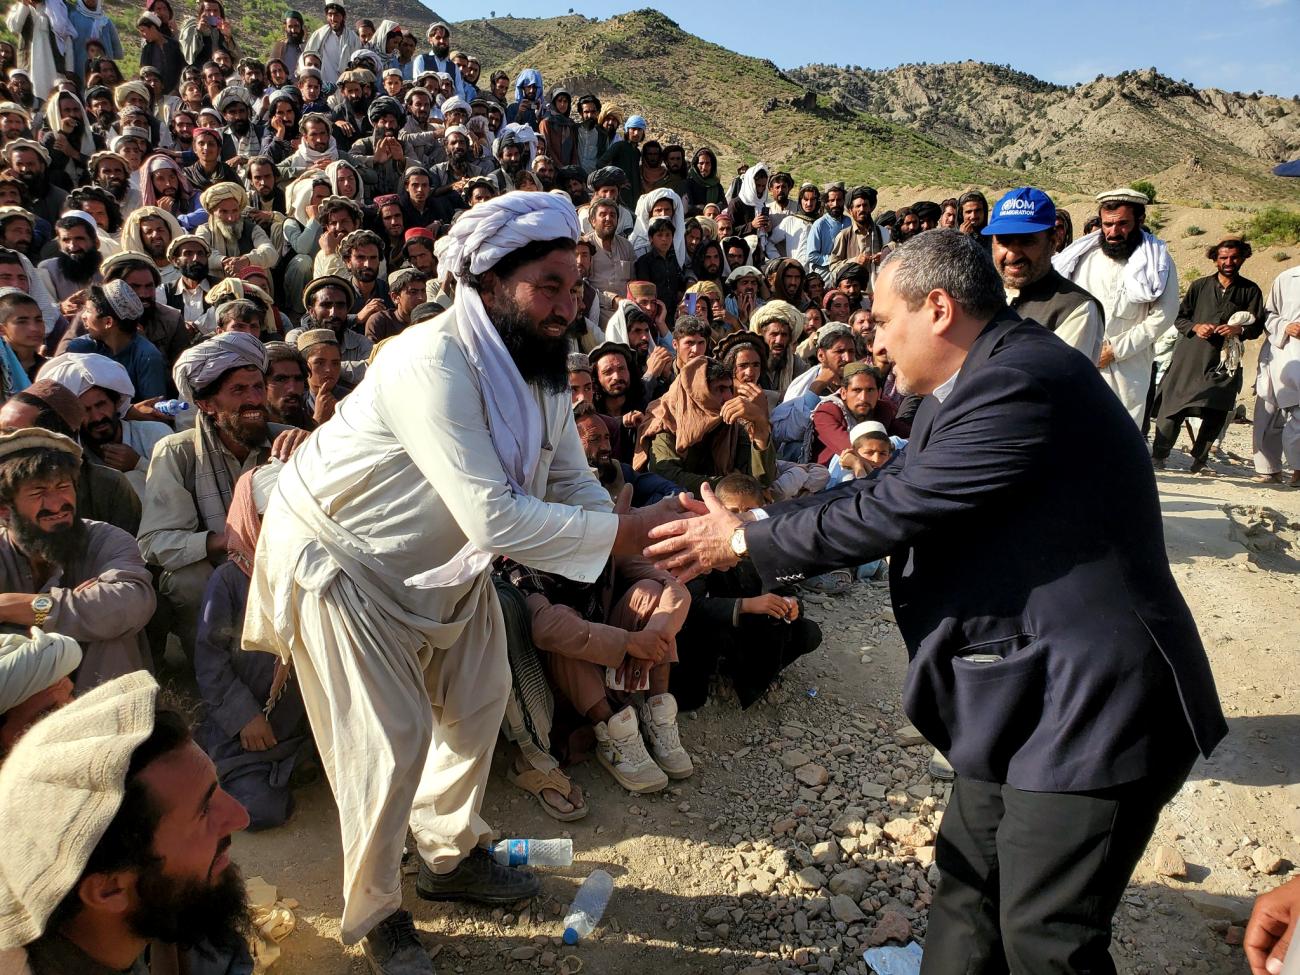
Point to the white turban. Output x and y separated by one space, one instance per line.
455 104
477 241
60 787
79 371
483 235
204 363
29 665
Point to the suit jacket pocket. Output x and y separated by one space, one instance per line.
985 711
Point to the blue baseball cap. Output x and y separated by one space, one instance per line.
1022 211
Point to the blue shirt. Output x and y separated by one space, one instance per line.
821 238
141 360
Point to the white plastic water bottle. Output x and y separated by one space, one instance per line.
588 906
533 853
171 407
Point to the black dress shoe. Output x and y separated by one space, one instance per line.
477 878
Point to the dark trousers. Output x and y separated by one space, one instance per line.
1167 434
1030 880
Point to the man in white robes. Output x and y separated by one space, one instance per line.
46 39
1277 385
1130 272
372 571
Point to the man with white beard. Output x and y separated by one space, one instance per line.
1130 272
236 242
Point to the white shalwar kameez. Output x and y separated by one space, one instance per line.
1277 384
44 61
406 683
1132 328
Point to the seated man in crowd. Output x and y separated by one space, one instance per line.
857 401
327 300
286 386
599 651
594 431
619 390
103 494
112 317
106 394
255 726
35 678
702 430
83 579
407 290
320 351
124 836
193 473
735 626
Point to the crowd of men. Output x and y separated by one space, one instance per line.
199 266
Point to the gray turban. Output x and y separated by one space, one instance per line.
205 363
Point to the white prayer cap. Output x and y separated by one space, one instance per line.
864 428
1124 194
60 788
29 665
483 235
455 104
79 371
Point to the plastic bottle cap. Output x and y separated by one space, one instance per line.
570 936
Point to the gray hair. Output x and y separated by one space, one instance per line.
946 260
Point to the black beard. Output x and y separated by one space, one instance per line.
157 250
103 432
541 360
513 169
79 267
607 469
1123 249
196 272
58 547
190 913
117 187
443 51
36 183
459 157
366 275
775 362
249 433
294 416
240 127
106 119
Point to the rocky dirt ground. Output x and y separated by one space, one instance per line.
806 834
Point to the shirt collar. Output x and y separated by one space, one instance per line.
941 392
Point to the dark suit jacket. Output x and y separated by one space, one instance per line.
1008 539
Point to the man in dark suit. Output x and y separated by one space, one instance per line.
1053 659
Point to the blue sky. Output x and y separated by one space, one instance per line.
1240 45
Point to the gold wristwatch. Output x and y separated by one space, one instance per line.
41 606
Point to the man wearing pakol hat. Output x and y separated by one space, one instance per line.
31 161
438 57
35 678
1023 229
1131 273
111 171
103 494
189 255
89 799
193 472
334 42
469 452
407 290
235 241
62 573
105 392
327 300
1218 314
15 121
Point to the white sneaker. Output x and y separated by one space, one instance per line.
659 719
620 749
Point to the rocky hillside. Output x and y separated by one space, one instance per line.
1194 143
937 126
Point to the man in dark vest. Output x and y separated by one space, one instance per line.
1204 374
1022 228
